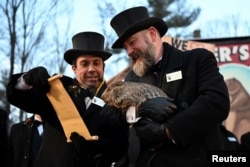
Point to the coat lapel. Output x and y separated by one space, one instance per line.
170 64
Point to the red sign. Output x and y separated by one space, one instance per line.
233 53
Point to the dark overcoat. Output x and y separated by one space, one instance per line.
202 103
5 157
54 150
23 148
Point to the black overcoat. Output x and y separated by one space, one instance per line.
21 141
54 150
203 103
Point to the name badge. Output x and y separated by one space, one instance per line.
98 101
174 76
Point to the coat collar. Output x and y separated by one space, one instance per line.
171 62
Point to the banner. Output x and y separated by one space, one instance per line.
187 45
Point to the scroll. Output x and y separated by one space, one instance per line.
66 111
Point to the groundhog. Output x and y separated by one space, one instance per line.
127 96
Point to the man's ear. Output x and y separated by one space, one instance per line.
103 66
73 67
153 33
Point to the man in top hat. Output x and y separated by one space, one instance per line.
28 92
190 78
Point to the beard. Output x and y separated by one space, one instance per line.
147 60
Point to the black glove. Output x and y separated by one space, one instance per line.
38 77
83 147
157 109
150 132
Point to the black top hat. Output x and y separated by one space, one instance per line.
86 43
133 20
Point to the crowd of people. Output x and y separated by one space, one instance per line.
190 78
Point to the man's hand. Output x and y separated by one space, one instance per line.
38 77
150 132
83 146
157 109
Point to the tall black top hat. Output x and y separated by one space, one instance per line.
90 43
133 20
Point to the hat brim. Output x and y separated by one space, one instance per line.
71 54
160 25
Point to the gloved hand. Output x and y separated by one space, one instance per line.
157 109
38 77
150 132
82 146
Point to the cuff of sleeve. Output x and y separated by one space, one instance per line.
21 84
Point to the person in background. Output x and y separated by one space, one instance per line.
25 140
245 141
4 145
28 92
230 140
190 78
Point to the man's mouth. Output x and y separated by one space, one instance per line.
92 77
135 57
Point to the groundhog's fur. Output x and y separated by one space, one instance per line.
125 94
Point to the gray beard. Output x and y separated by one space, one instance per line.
148 60
141 68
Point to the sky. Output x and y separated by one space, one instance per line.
85 11
222 9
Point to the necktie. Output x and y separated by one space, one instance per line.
38 127
88 92
37 123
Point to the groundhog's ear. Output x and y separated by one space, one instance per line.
117 101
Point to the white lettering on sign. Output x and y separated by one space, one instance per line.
238 53
244 52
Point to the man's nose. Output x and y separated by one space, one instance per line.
91 68
130 51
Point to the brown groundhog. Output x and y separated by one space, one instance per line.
127 96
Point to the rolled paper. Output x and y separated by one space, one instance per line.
66 111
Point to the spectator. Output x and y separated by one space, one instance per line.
25 140
4 146
245 141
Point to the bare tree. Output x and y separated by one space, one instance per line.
224 27
176 13
61 39
58 64
25 25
